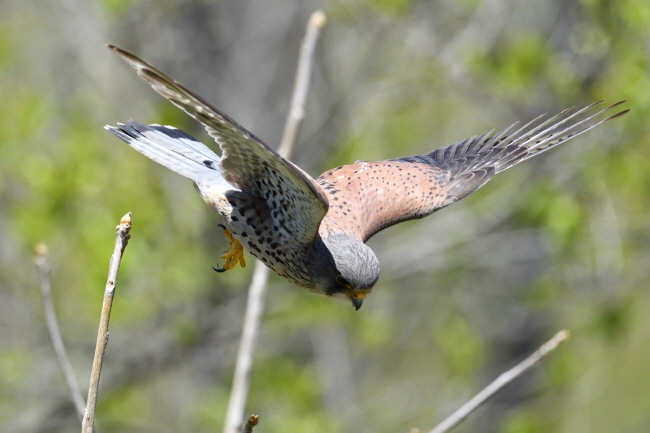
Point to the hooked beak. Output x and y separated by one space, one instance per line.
357 297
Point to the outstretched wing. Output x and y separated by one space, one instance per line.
246 162
376 195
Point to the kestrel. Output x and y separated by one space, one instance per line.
313 231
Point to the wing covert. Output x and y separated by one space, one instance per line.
246 161
375 195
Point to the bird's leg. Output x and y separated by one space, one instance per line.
234 254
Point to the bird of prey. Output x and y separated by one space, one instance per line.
313 231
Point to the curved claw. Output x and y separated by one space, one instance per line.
234 255
219 269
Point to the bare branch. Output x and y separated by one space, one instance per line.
501 381
244 365
122 239
252 422
257 290
43 266
317 21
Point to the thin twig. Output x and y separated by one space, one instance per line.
257 290
252 422
317 21
43 266
244 364
121 240
504 379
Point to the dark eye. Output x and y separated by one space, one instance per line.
343 282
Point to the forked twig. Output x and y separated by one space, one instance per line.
121 240
504 379
257 290
52 323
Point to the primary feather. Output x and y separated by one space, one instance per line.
312 232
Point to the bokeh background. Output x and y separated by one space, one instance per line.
561 241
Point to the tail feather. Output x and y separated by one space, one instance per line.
172 148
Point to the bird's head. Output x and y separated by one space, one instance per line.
356 269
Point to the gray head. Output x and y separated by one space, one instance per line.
357 268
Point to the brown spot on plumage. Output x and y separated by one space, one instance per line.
311 232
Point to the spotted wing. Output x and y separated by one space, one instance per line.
377 195
290 194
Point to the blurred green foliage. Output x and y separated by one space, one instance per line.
562 241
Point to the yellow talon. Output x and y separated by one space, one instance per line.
234 254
